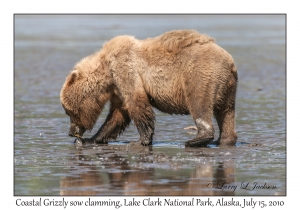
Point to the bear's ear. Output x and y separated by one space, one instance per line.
72 77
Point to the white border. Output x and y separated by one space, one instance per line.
154 6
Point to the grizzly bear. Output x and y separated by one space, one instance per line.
179 72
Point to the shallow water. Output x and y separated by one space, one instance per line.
46 162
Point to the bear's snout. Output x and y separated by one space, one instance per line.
71 134
76 130
73 130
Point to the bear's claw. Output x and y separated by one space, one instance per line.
198 142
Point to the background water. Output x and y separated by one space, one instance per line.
46 162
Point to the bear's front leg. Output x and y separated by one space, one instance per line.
134 98
116 122
144 118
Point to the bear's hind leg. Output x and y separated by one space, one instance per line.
226 123
202 114
205 133
225 114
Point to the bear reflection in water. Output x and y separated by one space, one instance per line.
179 72
118 174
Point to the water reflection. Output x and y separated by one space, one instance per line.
140 171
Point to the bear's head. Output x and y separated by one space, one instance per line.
83 98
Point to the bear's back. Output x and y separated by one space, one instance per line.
176 40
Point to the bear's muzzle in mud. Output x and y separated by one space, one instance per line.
76 130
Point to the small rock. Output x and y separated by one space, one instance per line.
191 128
255 144
78 141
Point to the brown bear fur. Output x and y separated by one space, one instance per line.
179 72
